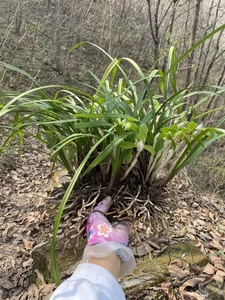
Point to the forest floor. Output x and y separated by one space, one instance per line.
25 222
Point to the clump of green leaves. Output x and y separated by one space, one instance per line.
124 124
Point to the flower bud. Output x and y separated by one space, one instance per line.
140 146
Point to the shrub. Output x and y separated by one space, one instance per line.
143 124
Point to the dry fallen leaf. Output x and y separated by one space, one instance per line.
40 278
192 282
32 293
13 262
209 269
28 262
215 244
191 229
193 296
213 257
46 290
8 226
204 237
6 284
177 272
178 262
219 265
31 219
219 278
195 269
28 244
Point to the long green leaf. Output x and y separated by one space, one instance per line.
63 204
197 44
106 152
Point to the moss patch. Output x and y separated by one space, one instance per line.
153 271
186 252
65 259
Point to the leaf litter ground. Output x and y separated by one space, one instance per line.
26 220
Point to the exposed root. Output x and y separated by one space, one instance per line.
135 209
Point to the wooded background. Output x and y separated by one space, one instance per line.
37 36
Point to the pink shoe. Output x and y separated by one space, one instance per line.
99 229
104 205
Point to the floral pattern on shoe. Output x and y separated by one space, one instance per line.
100 230
104 230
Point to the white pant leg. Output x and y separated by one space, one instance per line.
89 282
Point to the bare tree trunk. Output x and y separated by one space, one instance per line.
213 104
59 65
171 26
70 34
209 49
199 65
213 59
101 40
9 28
154 29
110 27
186 26
192 42
48 6
19 23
